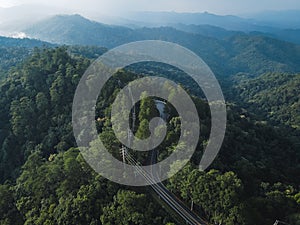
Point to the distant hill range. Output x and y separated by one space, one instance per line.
284 25
22 43
255 22
227 52
75 29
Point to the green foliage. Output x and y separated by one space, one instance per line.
61 190
143 130
147 108
13 51
218 195
90 52
10 56
130 208
9 214
253 153
55 186
23 43
254 179
35 97
64 190
275 95
147 111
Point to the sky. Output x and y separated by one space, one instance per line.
115 7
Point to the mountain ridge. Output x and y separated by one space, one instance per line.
236 51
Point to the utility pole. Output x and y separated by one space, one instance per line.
123 152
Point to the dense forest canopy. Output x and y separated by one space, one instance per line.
45 180
254 180
276 95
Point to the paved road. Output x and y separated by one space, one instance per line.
184 212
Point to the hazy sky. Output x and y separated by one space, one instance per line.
115 7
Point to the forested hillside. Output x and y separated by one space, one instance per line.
24 42
76 30
45 180
130 157
275 95
11 56
14 51
235 53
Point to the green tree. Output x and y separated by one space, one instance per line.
147 108
9 215
129 208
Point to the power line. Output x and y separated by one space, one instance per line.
280 222
160 190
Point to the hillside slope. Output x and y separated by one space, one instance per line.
275 95
256 182
14 51
237 53
76 30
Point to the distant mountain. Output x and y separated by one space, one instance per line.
284 25
16 18
259 54
227 22
286 19
235 53
290 35
207 30
77 30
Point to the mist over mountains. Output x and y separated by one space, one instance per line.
239 51
278 24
